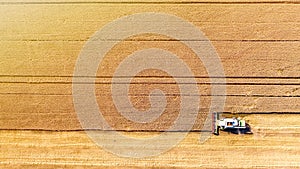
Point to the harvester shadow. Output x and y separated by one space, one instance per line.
247 130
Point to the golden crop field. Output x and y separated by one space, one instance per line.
41 43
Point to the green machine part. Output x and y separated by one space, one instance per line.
242 123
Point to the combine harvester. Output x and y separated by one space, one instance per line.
235 125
